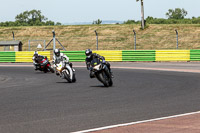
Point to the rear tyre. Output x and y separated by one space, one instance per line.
45 71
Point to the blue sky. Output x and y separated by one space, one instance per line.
67 11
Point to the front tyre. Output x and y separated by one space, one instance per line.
67 77
74 78
104 79
110 82
51 69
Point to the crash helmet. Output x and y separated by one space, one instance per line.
36 54
88 53
57 52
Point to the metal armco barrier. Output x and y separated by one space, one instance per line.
139 55
172 55
79 56
194 55
7 56
110 55
27 56
75 56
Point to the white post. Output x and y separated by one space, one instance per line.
54 40
142 13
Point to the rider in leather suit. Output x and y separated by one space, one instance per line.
60 57
90 57
36 58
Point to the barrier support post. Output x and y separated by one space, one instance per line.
96 38
54 40
134 39
176 38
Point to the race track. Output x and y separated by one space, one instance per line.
34 102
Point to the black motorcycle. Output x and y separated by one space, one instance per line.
101 72
43 64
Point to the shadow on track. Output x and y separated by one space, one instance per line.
66 82
42 73
99 86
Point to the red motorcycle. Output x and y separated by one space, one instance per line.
43 64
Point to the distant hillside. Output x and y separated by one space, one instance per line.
111 37
88 23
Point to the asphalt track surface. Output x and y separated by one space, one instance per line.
34 102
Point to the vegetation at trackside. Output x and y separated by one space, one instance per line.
29 18
176 16
151 20
111 37
158 33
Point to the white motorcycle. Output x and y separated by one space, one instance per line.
65 70
101 72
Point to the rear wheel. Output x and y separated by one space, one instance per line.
45 71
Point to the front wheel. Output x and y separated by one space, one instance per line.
110 82
51 69
67 77
104 79
74 78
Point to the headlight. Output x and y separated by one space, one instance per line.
59 68
97 67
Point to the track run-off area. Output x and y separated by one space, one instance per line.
36 102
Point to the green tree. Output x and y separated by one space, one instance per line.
29 18
97 21
58 23
50 23
176 14
33 17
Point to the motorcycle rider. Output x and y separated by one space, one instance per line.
36 58
60 57
90 56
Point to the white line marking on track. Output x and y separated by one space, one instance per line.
136 68
138 122
16 65
161 69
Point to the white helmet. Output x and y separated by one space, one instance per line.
57 52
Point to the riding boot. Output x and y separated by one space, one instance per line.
111 74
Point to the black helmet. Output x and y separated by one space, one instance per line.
88 52
57 52
36 54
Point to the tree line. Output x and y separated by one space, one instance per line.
29 18
176 16
35 18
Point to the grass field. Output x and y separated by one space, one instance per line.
111 37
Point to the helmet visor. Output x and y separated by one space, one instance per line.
57 54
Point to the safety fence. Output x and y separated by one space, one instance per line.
172 55
139 55
7 56
120 55
194 55
21 56
26 56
